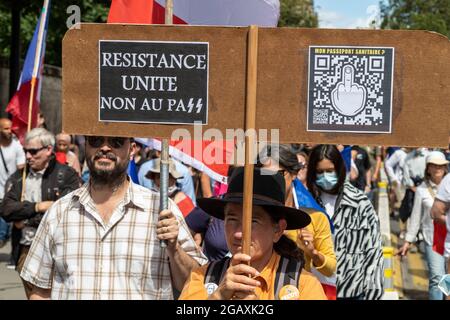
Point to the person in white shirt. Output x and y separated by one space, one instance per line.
12 158
394 171
436 169
441 214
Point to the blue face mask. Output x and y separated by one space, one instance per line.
327 180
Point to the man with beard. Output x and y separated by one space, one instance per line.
46 181
103 240
12 159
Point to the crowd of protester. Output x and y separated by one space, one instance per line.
85 224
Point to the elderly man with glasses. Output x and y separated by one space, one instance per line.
46 181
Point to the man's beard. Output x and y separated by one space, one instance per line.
107 177
5 136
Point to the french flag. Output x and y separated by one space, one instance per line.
19 105
264 13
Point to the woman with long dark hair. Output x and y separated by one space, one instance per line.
357 238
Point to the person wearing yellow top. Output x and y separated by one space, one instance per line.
263 273
315 240
319 241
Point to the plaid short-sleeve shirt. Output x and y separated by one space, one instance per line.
78 256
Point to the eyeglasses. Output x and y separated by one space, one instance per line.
33 151
97 142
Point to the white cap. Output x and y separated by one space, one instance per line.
436 157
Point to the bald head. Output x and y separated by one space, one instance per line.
5 131
63 136
63 142
4 122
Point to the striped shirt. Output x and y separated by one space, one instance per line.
79 256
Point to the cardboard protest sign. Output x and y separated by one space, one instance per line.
380 87
153 82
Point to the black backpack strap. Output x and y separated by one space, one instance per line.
4 162
214 273
288 273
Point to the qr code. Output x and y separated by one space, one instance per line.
350 90
320 116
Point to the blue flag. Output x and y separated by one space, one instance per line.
347 156
306 200
132 172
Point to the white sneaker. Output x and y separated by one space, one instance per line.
11 266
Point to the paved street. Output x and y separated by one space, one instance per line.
410 272
10 285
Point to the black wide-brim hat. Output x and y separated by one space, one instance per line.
268 192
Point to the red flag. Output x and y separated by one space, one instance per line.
211 157
18 108
131 11
197 12
440 232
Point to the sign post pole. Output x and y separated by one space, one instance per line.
250 138
164 167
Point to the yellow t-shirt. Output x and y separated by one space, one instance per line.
309 287
323 242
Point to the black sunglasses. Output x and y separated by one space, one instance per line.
114 142
34 151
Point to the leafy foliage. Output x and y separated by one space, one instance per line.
298 13
432 15
91 11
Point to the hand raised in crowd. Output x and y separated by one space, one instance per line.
167 228
238 282
306 242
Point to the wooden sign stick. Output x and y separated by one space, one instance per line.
169 12
250 139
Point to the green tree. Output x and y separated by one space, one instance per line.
91 11
297 13
432 15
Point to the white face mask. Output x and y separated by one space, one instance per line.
327 180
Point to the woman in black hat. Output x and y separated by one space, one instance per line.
274 268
